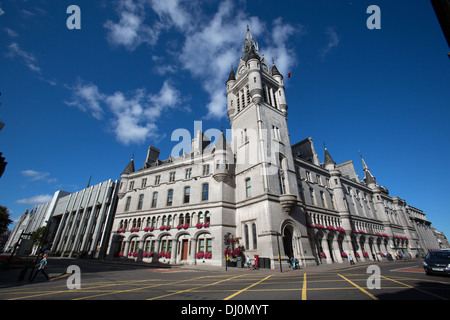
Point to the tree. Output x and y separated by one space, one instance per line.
5 221
39 236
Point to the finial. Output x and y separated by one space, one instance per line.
248 28
324 145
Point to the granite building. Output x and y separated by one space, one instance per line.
252 193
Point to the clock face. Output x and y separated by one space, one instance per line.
242 69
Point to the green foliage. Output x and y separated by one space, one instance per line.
5 221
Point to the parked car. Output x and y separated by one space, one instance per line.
437 262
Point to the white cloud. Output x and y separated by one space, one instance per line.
28 58
130 31
210 44
333 41
131 119
11 32
87 98
171 12
36 200
35 175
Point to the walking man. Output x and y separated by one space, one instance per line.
41 268
350 258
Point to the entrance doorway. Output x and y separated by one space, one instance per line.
184 249
287 241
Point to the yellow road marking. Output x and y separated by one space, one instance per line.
411 287
136 289
187 290
362 289
304 287
245 289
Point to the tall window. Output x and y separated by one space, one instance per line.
169 197
205 192
248 188
131 185
322 196
207 217
187 194
205 169
281 181
188 173
181 220
127 204
311 195
140 202
154 199
144 183
246 237
171 176
157 179
255 239
188 219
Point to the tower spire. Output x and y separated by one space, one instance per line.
250 48
368 176
329 162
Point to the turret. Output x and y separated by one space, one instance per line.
253 65
368 177
329 162
280 94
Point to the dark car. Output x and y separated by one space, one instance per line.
437 262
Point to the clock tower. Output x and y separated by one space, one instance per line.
265 178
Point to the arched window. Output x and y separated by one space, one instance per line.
170 221
154 222
201 217
207 217
246 236
281 174
188 219
255 237
181 220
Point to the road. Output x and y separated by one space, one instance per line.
258 290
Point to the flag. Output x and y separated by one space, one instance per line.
289 75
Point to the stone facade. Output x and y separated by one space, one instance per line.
270 199
249 193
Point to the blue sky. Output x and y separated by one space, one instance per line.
77 103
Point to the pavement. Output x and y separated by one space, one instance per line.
57 268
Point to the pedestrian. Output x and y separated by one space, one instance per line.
293 263
41 268
350 258
248 262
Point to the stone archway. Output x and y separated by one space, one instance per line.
288 237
